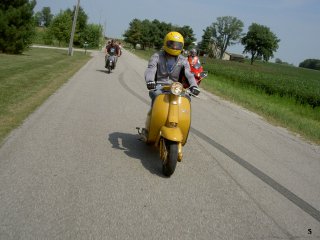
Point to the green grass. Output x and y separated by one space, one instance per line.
286 96
281 111
29 79
144 54
301 84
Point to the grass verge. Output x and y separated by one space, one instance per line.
27 80
144 54
281 111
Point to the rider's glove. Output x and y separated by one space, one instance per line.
195 90
151 85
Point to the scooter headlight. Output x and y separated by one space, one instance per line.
176 88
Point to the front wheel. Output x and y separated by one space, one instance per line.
169 165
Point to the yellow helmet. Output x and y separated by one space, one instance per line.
173 43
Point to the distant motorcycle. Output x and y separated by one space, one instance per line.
110 62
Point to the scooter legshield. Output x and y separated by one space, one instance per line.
157 117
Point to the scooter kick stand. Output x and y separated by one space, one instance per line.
142 133
138 129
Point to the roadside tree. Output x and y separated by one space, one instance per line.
47 16
162 29
38 19
16 25
226 31
260 42
44 17
92 35
60 27
133 35
147 30
206 42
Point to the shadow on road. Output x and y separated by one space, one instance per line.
134 148
103 71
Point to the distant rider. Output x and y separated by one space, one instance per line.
120 47
112 49
193 59
167 65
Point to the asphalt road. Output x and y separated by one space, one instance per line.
76 169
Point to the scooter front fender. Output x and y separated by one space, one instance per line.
172 134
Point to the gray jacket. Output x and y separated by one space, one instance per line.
158 68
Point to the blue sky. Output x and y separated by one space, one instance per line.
295 22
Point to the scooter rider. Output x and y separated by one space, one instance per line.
193 52
112 49
166 65
193 58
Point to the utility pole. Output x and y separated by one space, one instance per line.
70 52
105 28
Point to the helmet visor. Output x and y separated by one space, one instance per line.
174 45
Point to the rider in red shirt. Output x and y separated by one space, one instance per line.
193 59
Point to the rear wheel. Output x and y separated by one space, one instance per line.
169 165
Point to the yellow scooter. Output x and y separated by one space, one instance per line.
168 123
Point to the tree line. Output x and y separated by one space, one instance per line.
259 41
150 34
58 27
18 26
310 63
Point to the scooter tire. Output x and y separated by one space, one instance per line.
170 164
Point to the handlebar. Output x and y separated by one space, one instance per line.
204 74
167 88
